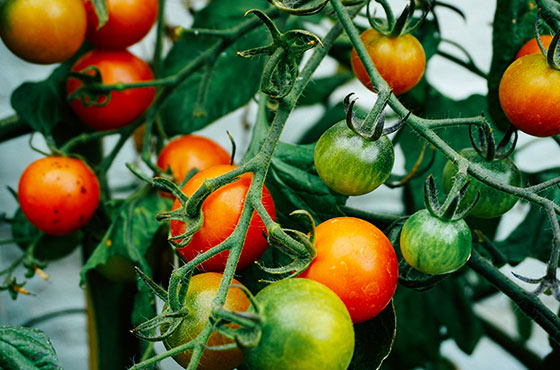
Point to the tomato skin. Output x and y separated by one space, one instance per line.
399 60
529 95
357 261
532 47
492 202
58 194
306 326
434 246
202 291
351 165
43 31
125 106
222 210
188 152
129 21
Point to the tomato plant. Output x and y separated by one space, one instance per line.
221 211
357 261
435 246
202 291
532 47
399 60
491 202
304 326
43 31
128 22
189 152
351 164
58 194
124 107
529 94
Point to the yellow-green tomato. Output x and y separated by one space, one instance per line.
435 246
350 164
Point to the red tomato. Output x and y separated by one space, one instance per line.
188 152
529 94
357 261
532 47
43 31
399 60
129 21
125 106
58 194
222 210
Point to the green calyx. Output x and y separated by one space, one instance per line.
405 23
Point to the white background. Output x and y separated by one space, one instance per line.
68 334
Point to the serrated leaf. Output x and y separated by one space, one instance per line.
294 185
26 348
234 80
374 340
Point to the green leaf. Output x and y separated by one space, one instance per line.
374 340
294 184
513 25
233 81
26 348
133 226
523 322
550 12
318 90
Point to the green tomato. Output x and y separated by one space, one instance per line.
435 246
492 202
305 326
351 165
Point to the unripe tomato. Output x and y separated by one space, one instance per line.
304 326
532 47
124 106
435 246
43 31
351 165
529 96
399 60
222 210
58 194
357 261
129 21
202 291
188 152
492 202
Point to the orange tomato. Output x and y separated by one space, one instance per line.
532 47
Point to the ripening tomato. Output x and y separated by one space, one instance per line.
222 210
124 106
43 31
399 60
529 95
58 194
532 47
128 22
188 152
202 291
357 261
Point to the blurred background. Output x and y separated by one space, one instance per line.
62 293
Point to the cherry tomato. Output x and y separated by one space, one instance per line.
129 21
399 60
124 106
532 47
43 31
58 194
492 202
305 326
351 165
188 152
435 246
529 96
222 210
202 291
357 261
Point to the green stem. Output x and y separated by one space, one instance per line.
467 65
12 127
531 305
159 39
